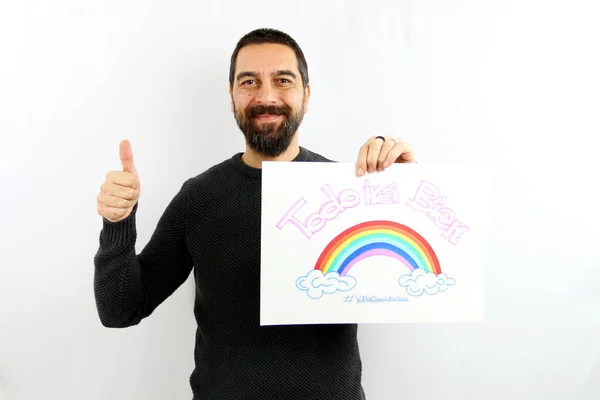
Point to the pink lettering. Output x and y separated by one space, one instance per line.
424 199
428 200
454 232
291 218
315 223
443 218
376 195
328 211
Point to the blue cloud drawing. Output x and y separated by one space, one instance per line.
315 284
419 282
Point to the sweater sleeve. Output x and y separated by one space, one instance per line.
128 286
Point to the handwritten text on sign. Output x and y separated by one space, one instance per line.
427 200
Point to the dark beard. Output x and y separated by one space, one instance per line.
269 141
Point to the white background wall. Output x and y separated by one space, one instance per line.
513 84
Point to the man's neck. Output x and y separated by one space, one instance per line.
252 159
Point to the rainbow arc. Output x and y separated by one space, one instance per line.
378 238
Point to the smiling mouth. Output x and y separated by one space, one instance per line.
267 117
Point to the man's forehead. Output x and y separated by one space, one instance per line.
266 58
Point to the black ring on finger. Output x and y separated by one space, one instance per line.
380 137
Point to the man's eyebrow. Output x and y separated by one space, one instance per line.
245 74
285 72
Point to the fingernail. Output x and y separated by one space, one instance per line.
360 172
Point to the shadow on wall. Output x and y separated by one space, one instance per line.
591 386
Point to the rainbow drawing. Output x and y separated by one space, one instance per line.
377 238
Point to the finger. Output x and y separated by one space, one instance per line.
383 155
361 163
123 192
373 154
114 202
396 151
408 154
126 155
123 178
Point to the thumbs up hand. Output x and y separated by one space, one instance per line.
121 190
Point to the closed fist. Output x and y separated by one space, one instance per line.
121 190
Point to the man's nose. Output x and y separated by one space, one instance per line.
267 94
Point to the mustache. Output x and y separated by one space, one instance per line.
271 109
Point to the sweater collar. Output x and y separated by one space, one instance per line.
256 173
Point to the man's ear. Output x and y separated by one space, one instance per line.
306 97
231 97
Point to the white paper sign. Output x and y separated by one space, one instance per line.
407 244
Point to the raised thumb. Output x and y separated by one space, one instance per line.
127 157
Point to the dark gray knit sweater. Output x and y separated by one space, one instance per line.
207 230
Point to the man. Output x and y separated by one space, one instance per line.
217 235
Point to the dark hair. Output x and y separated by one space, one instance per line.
268 35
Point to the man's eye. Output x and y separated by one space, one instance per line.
247 82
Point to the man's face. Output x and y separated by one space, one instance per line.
268 98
